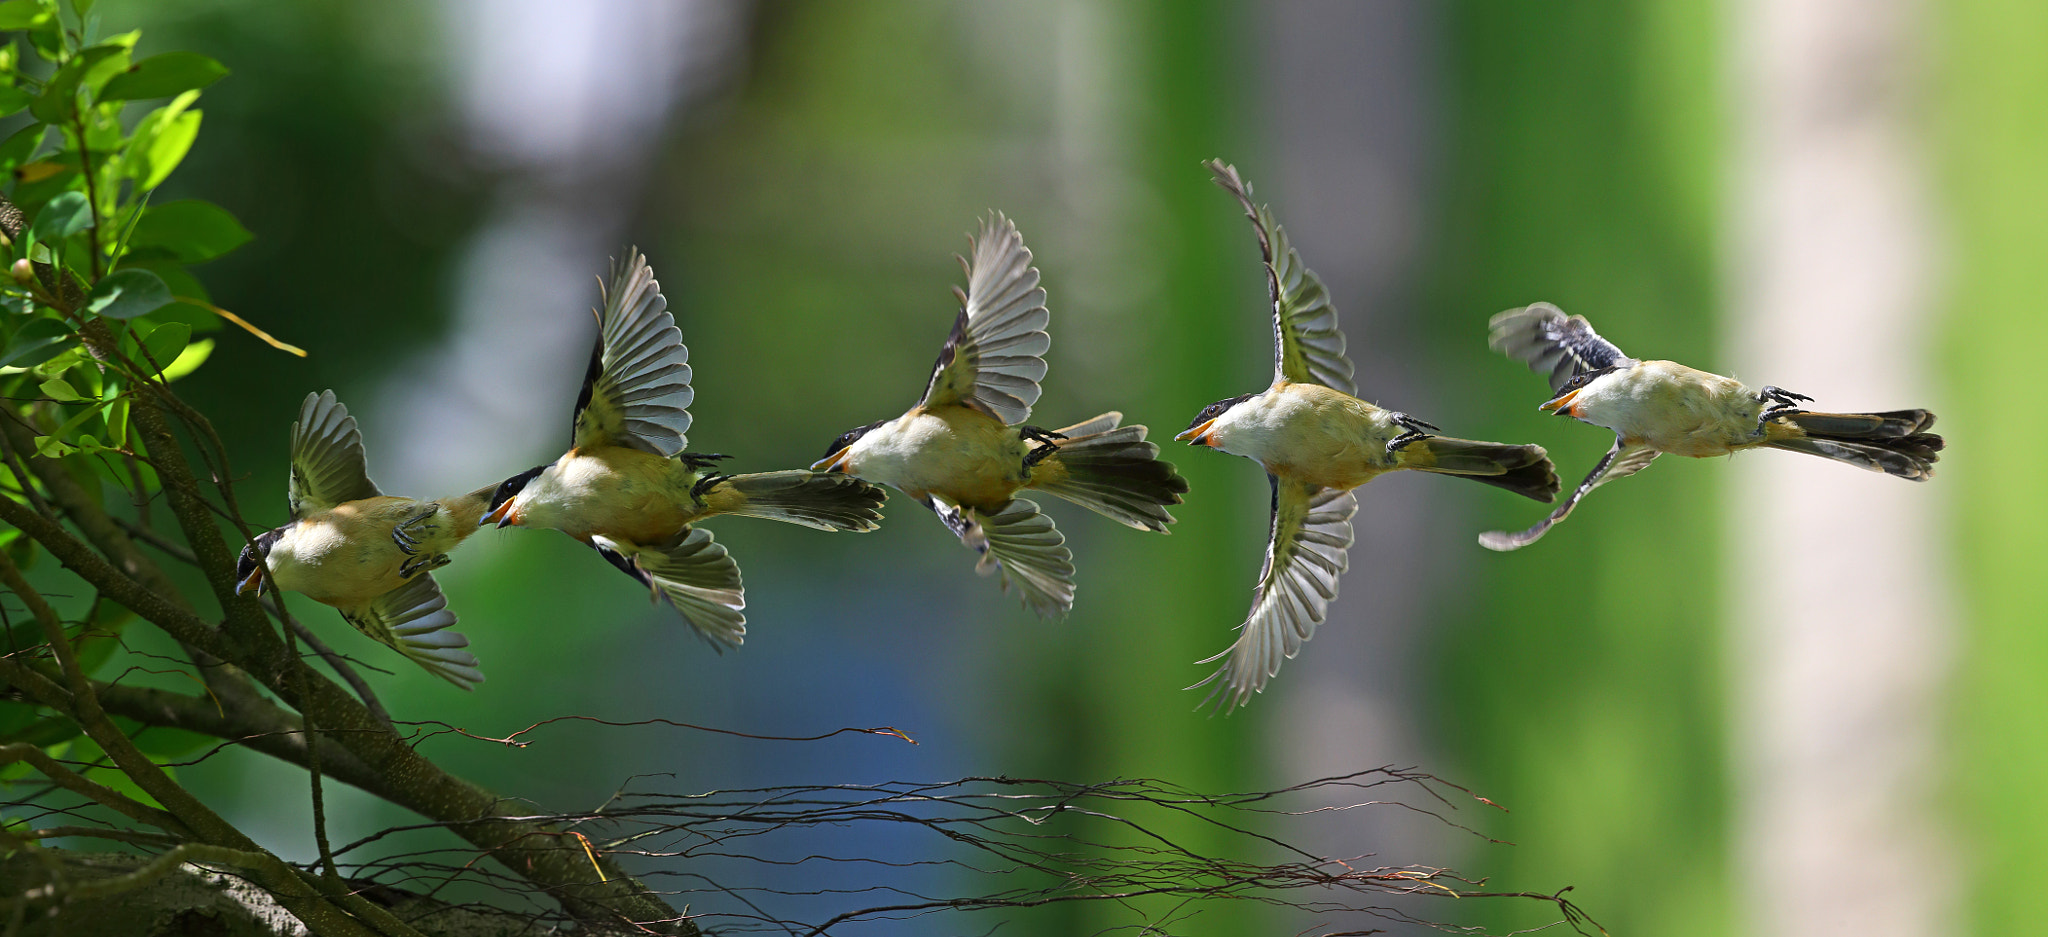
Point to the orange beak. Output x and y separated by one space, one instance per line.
1559 403
836 462
1198 435
500 515
253 583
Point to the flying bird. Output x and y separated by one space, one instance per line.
1318 441
627 488
366 553
965 451
1655 407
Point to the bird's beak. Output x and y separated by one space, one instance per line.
836 462
252 583
1559 403
500 515
1198 435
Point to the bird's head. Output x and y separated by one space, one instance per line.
1560 403
839 455
505 500
1203 430
249 565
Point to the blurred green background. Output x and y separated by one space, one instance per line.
435 188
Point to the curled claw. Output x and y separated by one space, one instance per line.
1781 402
1048 443
1414 425
419 564
1416 429
706 484
1781 395
403 534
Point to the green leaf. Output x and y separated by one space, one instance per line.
22 14
59 99
190 229
50 447
188 361
161 76
127 293
13 99
62 217
20 147
37 342
117 412
166 150
166 342
59 389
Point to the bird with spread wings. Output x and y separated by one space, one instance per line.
965 451
1317 442
628 489
1655 407
363 552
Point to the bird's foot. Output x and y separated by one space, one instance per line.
1048 443
1415 429
698 461
706 484
419 564
956 520
1779 395
408 532
1779 402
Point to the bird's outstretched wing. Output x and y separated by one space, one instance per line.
414 619
638 384
1309 550
1021 543
1308 347
1621 461
1553 344
696 576
328 465
992 361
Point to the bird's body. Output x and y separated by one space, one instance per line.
1674 409
1318 441
965 452
1312 434
962 455
627 488
625 494
365 553
346 556
1656 407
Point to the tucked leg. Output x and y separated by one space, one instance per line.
407 534
1414 429
1048 443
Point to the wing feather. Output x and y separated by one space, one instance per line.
1308 344
1557 346
1622 460
696 576
1306 554
992 360
328 464
414 620
637 389
1022 544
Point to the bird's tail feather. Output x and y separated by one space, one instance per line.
1113 471
1524 470
1895 442
824 500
